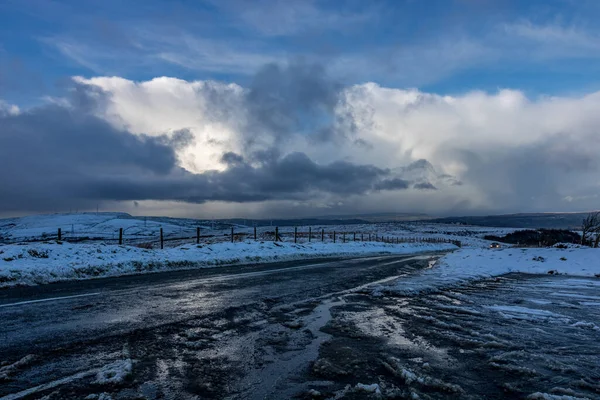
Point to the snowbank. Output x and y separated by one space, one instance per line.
52 262
471 264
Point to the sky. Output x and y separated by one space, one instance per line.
272 108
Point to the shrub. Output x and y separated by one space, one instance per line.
545 237
147 246
37 254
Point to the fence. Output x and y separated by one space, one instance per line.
307 235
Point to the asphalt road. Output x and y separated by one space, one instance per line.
209 333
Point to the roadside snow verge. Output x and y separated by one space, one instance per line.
54 261
471 264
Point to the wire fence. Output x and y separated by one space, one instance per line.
160 239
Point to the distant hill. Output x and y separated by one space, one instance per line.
379 217
533 220
291 222
331 219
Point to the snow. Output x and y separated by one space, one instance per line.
114 373
546 396
583 324
101 396
410 376
43 262
471 264
31 264
523 310
9 369
372 388
94 225
137 229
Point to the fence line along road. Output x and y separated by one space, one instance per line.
296 236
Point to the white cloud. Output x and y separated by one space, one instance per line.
416 64
290 17
169 104
554 34
214 55
510 152
10 109
551 41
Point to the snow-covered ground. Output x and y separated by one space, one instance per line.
476 263
42 262
105 226
38 263
94 226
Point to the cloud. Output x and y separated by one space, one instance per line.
552 40
294 17
283 105
290 136
211 55
9 109
481 151
424 185
61 155
235 38
392 184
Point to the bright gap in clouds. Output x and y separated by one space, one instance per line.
295 143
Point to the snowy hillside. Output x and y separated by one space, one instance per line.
136 230
92 225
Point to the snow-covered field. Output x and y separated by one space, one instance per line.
51 261
475 263
98 226
95 226
39 263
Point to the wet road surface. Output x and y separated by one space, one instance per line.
308 330
186 334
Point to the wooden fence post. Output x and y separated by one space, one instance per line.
309 234
254 233
322 235
162 242
232 234
120 236
59 234
333 236
295 234
362 237
276 233
344 237
355 236
198 235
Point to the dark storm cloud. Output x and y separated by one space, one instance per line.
536 173
57 157
292 177
392 184
48 152
424 186
297 98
